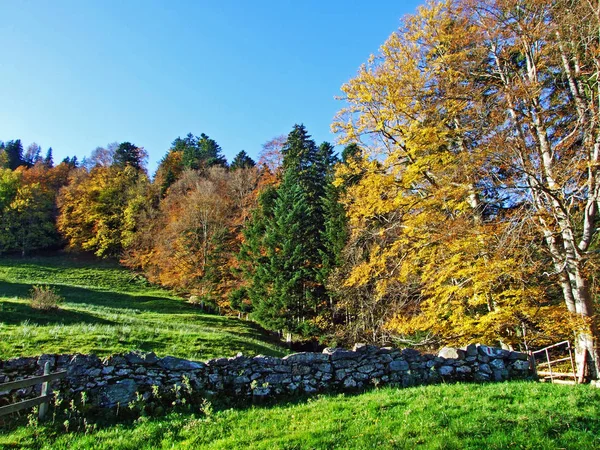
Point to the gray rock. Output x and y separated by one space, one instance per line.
120 393
262 391
359 348
483 358
497 364
94 372
445 370
519 356
368 368
306 358
340 353
411 354
326 367
349 383
301 370
282 369
344 363
241 380
471 350
172 363
521 365
463 369
141 358
106 370
493 352
485 368
398 365
451 353
277 378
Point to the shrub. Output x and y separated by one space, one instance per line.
45 298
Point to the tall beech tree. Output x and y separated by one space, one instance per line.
481 124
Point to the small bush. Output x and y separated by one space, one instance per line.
45 298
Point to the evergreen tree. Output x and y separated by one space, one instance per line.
128 154
288 299
288 240
49 160
199 152
242 161
14 153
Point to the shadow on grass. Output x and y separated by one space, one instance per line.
12 313
235 330
103 298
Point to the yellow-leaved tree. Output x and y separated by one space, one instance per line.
442 249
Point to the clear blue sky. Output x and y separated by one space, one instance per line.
83 73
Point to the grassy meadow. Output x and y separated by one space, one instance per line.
107 310
517 415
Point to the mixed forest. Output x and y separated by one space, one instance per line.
461 204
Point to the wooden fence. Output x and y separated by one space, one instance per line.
42 400
549 357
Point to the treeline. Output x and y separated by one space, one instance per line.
464 207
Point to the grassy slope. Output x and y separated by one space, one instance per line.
493 416
108 310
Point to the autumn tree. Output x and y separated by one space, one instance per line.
98 208
427 209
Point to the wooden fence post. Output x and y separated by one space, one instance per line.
44 406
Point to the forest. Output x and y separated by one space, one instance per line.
461 202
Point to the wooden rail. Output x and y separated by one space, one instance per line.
549 373
42 400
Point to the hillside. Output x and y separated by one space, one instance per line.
492 416
108 309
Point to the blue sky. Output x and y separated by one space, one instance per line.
80 74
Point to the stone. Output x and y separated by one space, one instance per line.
451 353
463 369
120 393
172 363
521 365
306 358
106 370
301 370
519 356
411 354
340 353
398 365
261 391
350 383
484 368
146 359
327 367
241 380
344 363
483 358
445 370
359 348
277 378
368 368
471 350
493 352
94 372
497 364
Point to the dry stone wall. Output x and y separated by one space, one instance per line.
119 379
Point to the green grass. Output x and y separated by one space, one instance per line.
493 416
107 310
